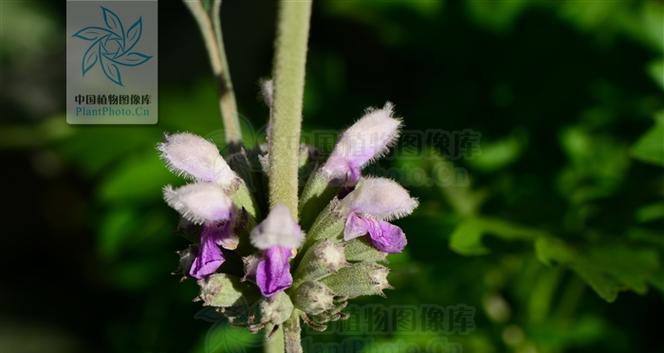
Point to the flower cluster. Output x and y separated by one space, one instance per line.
255 265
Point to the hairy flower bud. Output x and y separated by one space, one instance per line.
360 279
260 313
367 139
223 290
313 298
277 229
329 224
200 202
195 157
360 250
277 309
321 259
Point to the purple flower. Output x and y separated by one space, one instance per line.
273 271
369 207
206 204
210 256
385 236
277 236
367 139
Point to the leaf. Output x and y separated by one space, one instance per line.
134 34
14 136
650 212
656 70
137 180
90 58
598 164
135 275
455 184
608 269
223 338
93 33
126 228
108 153
652 15
113 22
650 147
111 71
115 230
467 237
496 15
646 236
132 59
498 154
559 335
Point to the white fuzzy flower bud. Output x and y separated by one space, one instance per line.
193 156
220 290
277 229
332 256
381 198
367 139
276 310
379 277
321 259
200 202
314 298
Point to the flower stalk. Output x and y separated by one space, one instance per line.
302 258
293 333
209 23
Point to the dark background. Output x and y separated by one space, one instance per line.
560 93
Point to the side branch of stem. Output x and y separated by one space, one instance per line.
209 23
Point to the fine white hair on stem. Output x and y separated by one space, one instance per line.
192 156
367 139
267 91
199 202
277 229
381 198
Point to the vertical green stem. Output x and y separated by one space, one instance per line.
286 119
210 27
288 77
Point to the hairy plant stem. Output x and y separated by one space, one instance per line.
286 119
274 343
293 333
286 116
209 23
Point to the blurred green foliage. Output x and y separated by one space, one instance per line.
559 212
